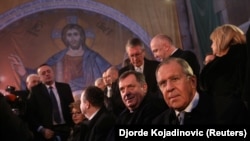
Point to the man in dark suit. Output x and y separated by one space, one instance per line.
141 106
136 53
22 95
246 95
178 86
162 47
48 107
12 128
99 120
113 97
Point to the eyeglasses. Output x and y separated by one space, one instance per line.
76 113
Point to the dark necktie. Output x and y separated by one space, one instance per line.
56 113
180 117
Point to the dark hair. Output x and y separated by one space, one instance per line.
94 95
139 76
44 64
73 26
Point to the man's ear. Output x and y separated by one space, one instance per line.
88 105
145 87
193 80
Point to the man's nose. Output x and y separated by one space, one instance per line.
169 86
126 91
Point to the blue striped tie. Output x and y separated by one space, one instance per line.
56 113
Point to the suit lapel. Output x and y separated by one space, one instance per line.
131 67
173 119
145 68
45 91
177 53
60 91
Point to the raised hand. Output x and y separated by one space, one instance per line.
208 58
17 64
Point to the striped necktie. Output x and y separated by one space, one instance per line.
56 113
180 117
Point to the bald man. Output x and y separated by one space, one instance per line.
162 47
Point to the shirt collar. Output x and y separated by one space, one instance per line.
53 85
92 116
174 51
141 67
191 105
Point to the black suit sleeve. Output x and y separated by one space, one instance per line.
11 126
247 88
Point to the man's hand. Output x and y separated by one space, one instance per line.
47 133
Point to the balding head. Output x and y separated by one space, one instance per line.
161 46
32 80
112 75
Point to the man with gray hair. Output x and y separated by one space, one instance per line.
141 106
138 62
113 98
32 80
187 106
163 47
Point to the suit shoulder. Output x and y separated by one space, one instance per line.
189 56
188 52
161 118
62 83
106 116
152 62
123 69
38 86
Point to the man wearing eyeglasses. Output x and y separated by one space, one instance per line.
138 62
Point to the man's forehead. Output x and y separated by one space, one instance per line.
134 48
34 78
170 68
128 79
44 68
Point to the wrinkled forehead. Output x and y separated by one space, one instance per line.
134 49
171 68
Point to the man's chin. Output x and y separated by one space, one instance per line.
129 104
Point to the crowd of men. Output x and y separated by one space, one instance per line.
171 90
